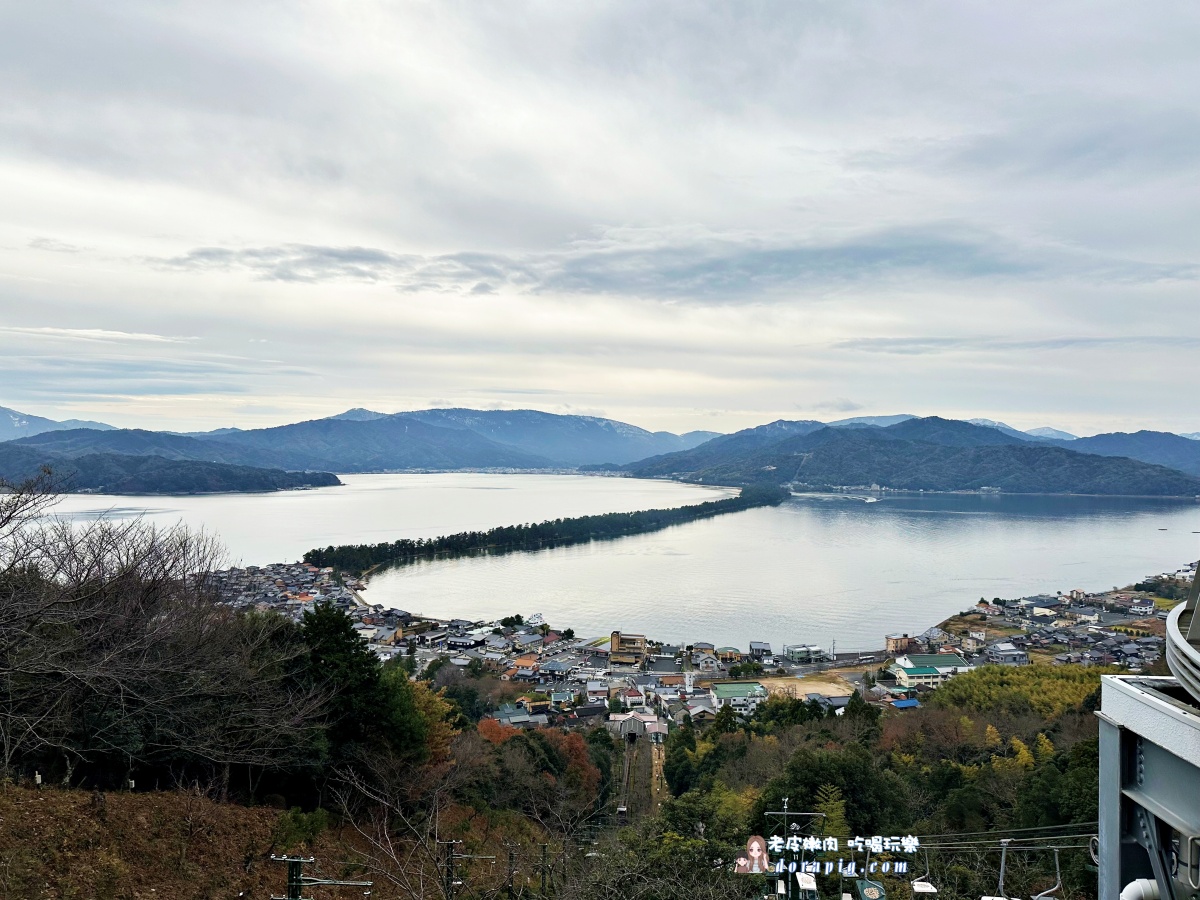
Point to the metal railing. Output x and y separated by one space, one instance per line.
1183 641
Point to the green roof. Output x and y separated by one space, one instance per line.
919 670
937 659
739 689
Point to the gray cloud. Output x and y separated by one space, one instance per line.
712 268
53 246
840 404
919 346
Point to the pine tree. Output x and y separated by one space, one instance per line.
991 737
830 803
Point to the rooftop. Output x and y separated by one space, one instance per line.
738 689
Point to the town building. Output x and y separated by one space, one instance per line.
743 696
626 649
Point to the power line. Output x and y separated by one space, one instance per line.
1007 830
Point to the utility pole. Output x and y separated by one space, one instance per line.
545 869
512 870
297 881
451 881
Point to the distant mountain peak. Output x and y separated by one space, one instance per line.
15 424
880 421
1001 426
359 414
1054 433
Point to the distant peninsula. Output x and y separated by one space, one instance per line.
358 558
118 473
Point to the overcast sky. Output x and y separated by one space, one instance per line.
682 215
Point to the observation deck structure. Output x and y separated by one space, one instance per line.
1149 819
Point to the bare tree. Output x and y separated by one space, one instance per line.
114 648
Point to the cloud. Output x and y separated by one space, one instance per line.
94 335
917 346
700 267
840 404
53 246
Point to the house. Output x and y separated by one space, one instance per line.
699 711
1084 614
632 698
1006 654
555 669
707 665
1142 608
591 712
743 696
496 662
836 704
759 650
499 643
525 642
526 666
597 692
563 698
729 654
804 653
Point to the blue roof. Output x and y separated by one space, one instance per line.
906 704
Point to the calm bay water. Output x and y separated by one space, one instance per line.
367 509
816 569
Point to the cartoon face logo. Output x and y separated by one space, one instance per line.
872 893
755 860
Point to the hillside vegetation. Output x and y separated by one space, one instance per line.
57 844
116 473
918 455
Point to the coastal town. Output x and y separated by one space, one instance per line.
638 685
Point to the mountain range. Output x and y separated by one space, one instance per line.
362 441
894 451
931 454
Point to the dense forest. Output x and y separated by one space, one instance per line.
117 667
119 473
556 533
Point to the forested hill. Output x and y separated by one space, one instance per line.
1149 446
115 473
921 454
556 533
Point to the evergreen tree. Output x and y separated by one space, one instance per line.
830 803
